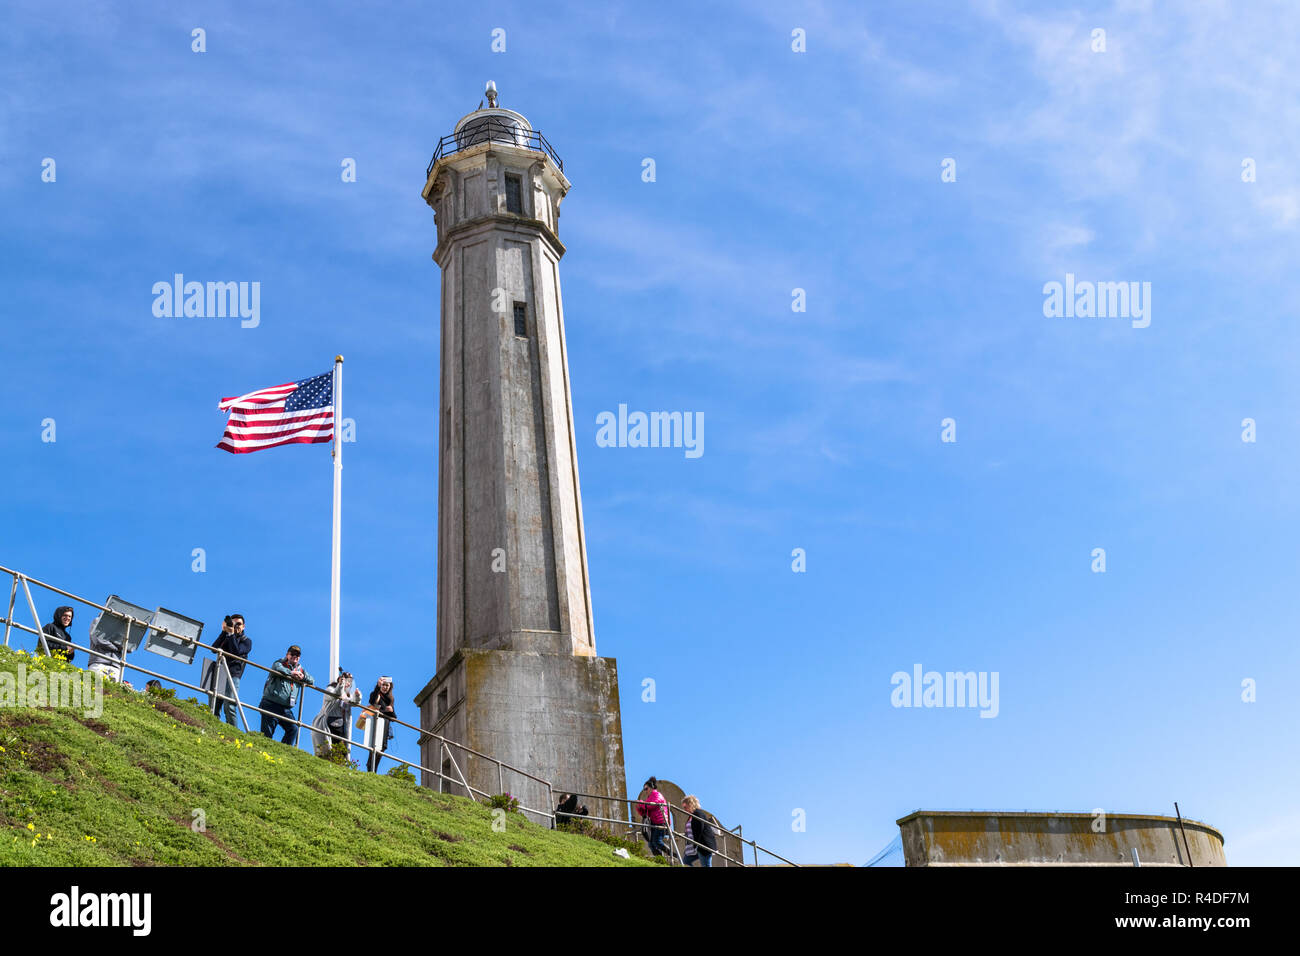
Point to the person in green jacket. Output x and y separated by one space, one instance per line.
280 693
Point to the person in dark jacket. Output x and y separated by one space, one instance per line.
237 644
280 692
568 809
702 844
379 729
57 636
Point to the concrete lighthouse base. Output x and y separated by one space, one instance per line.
553 716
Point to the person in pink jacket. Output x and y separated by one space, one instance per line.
652 808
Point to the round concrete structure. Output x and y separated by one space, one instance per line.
1026 838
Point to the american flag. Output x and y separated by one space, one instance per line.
296 412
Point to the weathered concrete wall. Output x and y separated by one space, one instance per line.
975 838
555 716
512 563
518 676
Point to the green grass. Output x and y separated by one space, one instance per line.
123 790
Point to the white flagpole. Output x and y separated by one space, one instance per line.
338 514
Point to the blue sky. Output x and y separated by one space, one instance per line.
775 170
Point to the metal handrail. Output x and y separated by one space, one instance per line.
490 129
18 575
94 655
445 745
633 829
674 810
310 728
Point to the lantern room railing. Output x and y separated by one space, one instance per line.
494 129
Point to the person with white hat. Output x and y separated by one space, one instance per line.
377 721
335 715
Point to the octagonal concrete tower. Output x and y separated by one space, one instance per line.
518 677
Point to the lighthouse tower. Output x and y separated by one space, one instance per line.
518 677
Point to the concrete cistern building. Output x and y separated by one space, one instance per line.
1000 838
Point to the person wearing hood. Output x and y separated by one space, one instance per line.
57 637
378 721
567 810
280 693
335 714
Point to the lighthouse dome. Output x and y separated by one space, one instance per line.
492 124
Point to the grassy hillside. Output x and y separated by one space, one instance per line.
125 789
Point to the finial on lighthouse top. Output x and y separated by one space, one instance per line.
491 92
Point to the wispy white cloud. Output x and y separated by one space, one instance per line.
1150 134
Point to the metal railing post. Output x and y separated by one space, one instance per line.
230 682
218 704
9 617
455 766
36 618
672 840
121 652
